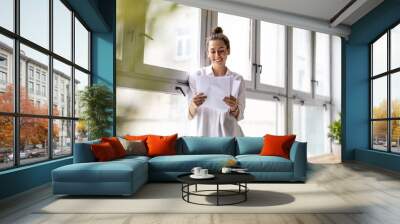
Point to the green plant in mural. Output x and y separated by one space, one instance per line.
96 102
335 130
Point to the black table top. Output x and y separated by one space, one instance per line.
220 178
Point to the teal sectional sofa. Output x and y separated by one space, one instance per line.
125 176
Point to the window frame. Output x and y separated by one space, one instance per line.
16 114
325 106
253 37
146 71
388 74
262 86
272 97
143 77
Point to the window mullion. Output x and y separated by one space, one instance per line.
73 81
371 96
205 21
313 65
330 49
289 80
16 83
255 53
389 112
50 81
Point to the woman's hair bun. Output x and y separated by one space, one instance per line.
217 30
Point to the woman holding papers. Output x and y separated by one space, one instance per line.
216 96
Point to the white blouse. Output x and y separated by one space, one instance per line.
212 122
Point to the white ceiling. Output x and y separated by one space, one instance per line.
317 9
316 15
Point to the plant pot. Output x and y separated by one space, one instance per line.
337 150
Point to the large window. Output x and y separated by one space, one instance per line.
34 26
256 123
302 60
180 27
38 124
7 14
272 54
322 64
310 124
385 97
238 31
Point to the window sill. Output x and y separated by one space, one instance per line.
26 167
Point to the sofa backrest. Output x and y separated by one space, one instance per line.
249 145
206 145
191 146
83 152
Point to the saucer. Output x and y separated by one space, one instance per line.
208 176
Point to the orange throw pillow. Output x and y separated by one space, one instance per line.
116 145
103 152
277 145
161 145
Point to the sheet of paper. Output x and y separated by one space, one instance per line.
202 84
235 87
215 88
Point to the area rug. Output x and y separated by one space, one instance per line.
166 198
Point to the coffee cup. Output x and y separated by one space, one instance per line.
196 170
203 172
226 170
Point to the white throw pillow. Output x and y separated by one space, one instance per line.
134 147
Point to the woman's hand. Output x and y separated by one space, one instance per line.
199 99
232 102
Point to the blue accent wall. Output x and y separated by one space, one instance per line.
102 58
99 15
103 53
356 123
24 178
356 119
379 159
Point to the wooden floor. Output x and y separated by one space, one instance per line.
378 189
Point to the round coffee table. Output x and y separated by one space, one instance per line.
238 179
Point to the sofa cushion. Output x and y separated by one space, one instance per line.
83 152
249 145
185 163
206 145
111 171
257 163
132 158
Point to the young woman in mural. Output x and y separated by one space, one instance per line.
216 96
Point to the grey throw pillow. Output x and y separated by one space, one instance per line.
134 147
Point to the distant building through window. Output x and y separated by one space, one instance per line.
34 80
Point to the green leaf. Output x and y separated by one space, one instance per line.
96 102
335 130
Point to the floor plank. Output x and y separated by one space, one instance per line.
377 191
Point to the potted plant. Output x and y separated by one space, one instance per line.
335 133
96 103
